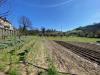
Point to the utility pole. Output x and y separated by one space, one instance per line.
61 32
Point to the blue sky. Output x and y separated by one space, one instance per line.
54 13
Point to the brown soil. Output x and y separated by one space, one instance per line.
69 62
91 55
91 46
1 73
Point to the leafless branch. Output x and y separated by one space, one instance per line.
25 24
2 2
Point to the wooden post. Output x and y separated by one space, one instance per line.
2 33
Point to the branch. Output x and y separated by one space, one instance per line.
5 13
2 2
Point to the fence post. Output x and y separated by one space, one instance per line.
2 33
6 32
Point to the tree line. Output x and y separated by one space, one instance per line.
25 28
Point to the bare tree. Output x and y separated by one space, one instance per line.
43 30
24 24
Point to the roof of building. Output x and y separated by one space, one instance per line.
7 23
5 19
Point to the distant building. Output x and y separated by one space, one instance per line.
4 23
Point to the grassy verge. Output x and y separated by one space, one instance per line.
76 39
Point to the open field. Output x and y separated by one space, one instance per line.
33 55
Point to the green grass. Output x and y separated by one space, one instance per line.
14 71
2 67
52 70
6 53
76 39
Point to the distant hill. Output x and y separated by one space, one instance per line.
87 31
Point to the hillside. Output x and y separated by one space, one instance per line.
87 31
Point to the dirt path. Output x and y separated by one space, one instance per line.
67 61
1 73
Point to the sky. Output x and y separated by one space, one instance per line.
68 14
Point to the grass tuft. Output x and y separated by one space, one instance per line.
14 71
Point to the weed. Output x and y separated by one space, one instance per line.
14 71
2 67
52 70
5 57
2 46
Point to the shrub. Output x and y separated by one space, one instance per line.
52 70
14 71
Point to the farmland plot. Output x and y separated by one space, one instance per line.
8 58
28 57
41 60
69 62
91 46
39 56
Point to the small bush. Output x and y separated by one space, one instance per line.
14 71
2 46
52 70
